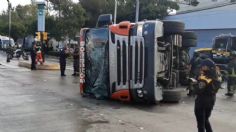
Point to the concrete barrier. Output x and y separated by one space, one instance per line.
40 67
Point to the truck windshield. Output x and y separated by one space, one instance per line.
221 43
96 62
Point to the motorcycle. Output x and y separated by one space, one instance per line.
17 54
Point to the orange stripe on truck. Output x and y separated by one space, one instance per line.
82 88
122 28
122 95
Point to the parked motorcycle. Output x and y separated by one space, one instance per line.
17 54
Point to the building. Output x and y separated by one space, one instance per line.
209 22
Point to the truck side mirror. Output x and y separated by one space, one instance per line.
104 20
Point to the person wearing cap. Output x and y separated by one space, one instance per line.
206 95
76 61
195 65
231 75
62 60
33 57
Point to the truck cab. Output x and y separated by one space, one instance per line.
132 61
222 46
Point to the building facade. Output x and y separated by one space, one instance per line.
209 23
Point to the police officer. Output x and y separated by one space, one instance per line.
33 57
206 95
231 75
76 61
195 65
62 60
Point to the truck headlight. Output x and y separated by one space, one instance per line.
140 93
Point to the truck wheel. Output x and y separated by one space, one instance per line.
189 35
189 43
172 95
173 27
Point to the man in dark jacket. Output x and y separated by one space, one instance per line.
231 75
33 57
208 85
195 66
62 60
76 61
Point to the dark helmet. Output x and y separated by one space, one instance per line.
208 62
203 56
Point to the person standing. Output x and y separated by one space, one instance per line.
62 60
76 61
33 57
194 67
208 85
231 76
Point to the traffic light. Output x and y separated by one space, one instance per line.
38 36
45 36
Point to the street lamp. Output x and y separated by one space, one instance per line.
9 15
137 11
115 12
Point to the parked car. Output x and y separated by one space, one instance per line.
6 42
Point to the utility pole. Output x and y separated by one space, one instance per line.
115 12
9 21
137 11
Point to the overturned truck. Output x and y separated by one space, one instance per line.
132 61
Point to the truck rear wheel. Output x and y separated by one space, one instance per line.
173 27
189 43
172 95
189 39
189 35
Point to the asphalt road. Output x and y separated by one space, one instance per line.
42 101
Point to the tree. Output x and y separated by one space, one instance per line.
94 8
149 9
23 21
70 18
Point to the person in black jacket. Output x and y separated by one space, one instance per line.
231 81
62 60
208 85
33 57
76 61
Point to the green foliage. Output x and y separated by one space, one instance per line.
23 21
70 17
94 8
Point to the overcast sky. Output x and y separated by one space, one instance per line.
14 3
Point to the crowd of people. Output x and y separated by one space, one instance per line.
37 56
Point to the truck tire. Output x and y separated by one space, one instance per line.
189 43
189 35
172 95
173 27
